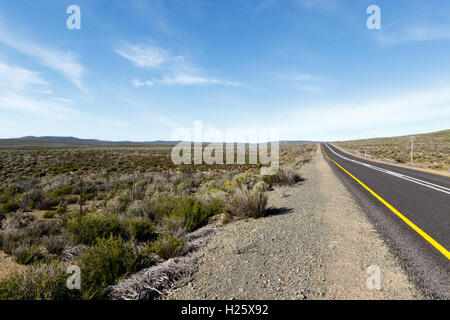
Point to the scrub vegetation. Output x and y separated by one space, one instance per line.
138 209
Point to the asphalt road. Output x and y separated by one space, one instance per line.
410 209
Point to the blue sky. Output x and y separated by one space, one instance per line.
139 70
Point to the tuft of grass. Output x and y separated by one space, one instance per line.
247 203
285 176
55 244
38 282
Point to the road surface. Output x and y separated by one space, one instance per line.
410 208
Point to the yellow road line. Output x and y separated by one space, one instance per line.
424 235
389 164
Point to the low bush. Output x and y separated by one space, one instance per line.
61 192
61 210
29 254
195 213
286 176
49 214
45 204
245 203
55 244
10 207
89 196
8 242
167 246
108 261
16 220
86 229
140 228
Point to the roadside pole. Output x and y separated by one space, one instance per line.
412 147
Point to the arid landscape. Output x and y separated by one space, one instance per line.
137 211
430 150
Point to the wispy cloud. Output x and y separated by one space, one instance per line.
145 56
413 34
303 81
297 77
17 102
64 62
323 4
172 69
310 88
139 84
16 78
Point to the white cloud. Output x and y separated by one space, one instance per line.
173 69
144 56
15 102
64 100
138 83
17 78
192 80
15 99
63 62
45 91
414 34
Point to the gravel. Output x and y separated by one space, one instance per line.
316 243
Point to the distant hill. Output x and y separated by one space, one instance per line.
30 142
70 142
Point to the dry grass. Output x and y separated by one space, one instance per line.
431 150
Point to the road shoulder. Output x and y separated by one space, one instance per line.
318 246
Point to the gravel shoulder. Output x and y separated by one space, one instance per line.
316 244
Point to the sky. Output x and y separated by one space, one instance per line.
141 70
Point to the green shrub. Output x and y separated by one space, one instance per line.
38 282
88 196
73 200
140 228
194 212
10 207
61 192
107 261
61 210
162 206
49 214
29 254
86 229
168 246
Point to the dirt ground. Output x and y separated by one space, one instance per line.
317 244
